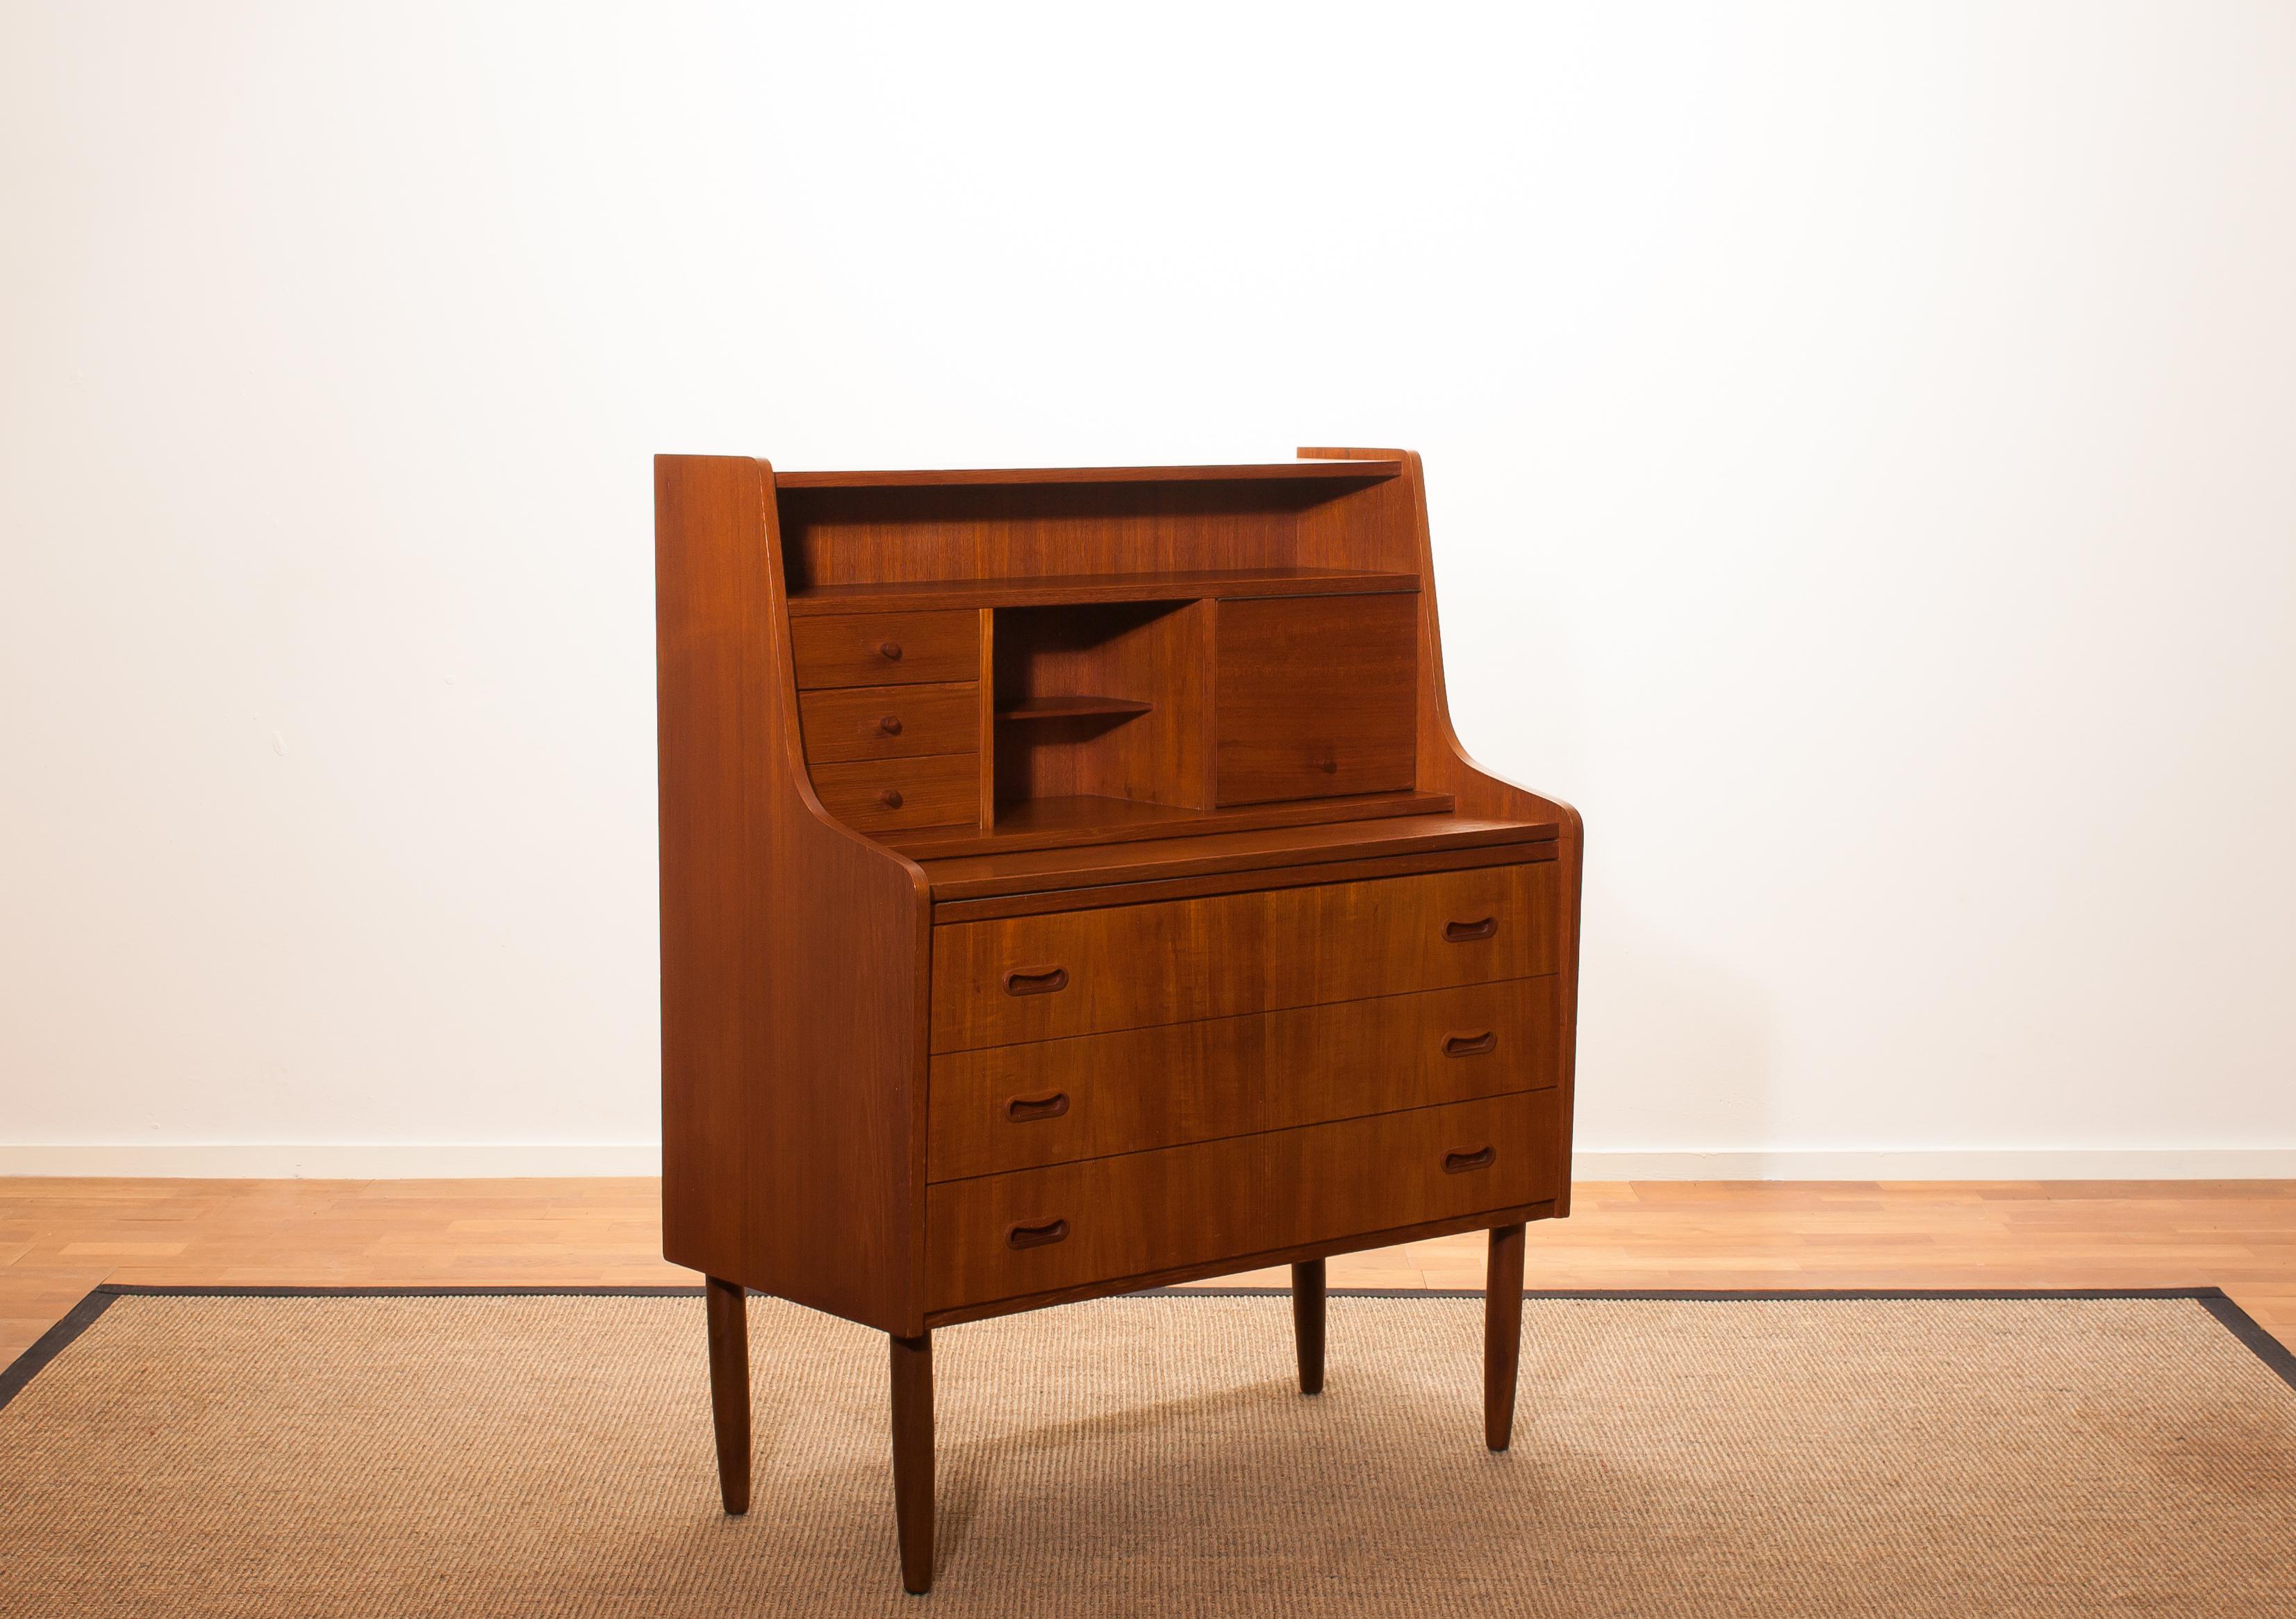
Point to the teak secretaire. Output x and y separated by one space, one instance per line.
1071 882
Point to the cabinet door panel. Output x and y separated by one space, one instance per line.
1316 696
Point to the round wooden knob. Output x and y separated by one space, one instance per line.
891 650
891 725
891 798
1328 765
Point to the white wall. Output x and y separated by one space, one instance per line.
1862 444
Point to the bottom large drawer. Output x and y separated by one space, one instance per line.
1001 1237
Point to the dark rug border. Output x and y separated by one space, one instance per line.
52 1343
2275 1355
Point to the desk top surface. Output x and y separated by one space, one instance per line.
1025 871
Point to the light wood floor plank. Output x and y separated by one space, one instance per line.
60 1238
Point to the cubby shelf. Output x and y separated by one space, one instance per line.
1071 708
1051 591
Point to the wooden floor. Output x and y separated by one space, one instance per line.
60 1238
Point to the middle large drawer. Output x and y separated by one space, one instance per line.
1009 1107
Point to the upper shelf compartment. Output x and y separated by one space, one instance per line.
1068 589
1064 536
1360 471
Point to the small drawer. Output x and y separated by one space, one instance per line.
1009 1107
886 795
1003 1236
1130 967
885 649
852 722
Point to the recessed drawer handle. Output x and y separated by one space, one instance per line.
891 798
1459 1162
1035 980
1026 1109
1470 1045
1037 1236
891 650
1463 932
891 725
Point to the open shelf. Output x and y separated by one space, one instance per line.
1071 708
1080 819
1053 590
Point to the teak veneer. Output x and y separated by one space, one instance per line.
1072 883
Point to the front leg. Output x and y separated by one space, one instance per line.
729 1388
913 1460
1307 1323
1501 1334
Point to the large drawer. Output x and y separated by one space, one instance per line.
1002 1236
1009 1107
1041 977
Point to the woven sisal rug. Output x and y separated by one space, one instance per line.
170 1452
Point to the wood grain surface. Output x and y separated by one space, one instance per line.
1096 820
1237 953
887 795
1010 1235
1315 697
1035 870
1041 533
1140 665
1162 585
948 912
852 722
792 1033
957 477
1008 1107
885 649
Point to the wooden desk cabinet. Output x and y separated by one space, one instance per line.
1071 882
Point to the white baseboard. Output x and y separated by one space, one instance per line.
337 1161
1973 1163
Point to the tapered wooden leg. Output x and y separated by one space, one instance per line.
913 1460
1307 1323
729 1389
1502 1334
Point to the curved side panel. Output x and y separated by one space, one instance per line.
1445 766
793 950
